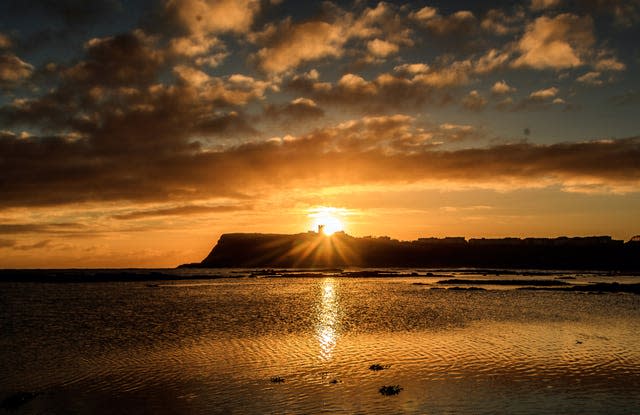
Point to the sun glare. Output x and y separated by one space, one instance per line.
326 220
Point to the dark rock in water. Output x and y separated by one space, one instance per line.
595 288
376 367
467 289
16 400
390 390
537 283
334 381
277 379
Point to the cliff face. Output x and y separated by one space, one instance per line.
312 250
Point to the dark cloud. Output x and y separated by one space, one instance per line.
387 92
23 228
542 99
474 101
71 12
182 211
500 23
296 110
625 13
13 244
454 33
389 149
29 247
628 98
122 60
57 23
459 24
7 243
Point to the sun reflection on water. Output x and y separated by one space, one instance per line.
328 321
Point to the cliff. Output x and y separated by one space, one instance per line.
307 250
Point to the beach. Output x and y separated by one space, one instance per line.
263 342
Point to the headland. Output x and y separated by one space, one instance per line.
314 249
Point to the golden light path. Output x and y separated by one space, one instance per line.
327 326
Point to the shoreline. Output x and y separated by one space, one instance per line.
455 279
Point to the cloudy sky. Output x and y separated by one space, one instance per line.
134 133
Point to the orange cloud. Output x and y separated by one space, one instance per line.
591 78
5 41
212 16
13 69
298 43
544 94
501 88
381 48
555 43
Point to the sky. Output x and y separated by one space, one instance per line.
135 133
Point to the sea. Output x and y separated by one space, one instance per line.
390 341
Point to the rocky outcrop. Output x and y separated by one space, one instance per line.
311 249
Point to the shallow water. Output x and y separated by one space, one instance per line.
213 346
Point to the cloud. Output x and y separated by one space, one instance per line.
181 211
544 94
555 43
628 98
386 22
410 69
7 243
298 109
53 228
387 92
381 48
448 132
460 23
591 78
382 149
541 99
13 69
408 86
212 16
538 5
287 44
5 41
625 13
491 61
125 59
120 95
474 101
36 245
203 50
291 44
609 64
501 88
497 22
424 14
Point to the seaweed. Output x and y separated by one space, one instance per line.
390 390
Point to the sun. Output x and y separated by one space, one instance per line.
326 220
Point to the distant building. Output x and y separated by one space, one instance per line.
448 240
495 241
